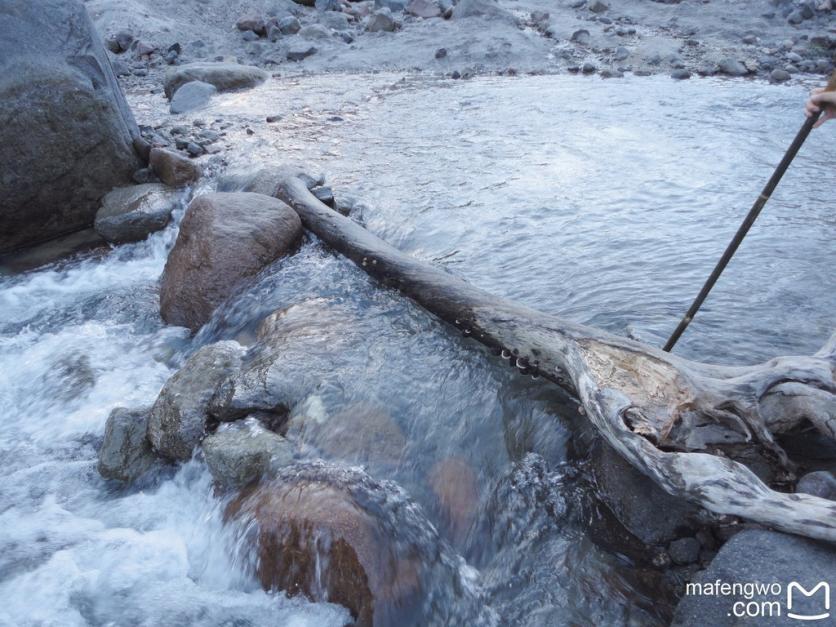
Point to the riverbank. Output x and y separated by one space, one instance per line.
768 39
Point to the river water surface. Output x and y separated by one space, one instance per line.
603 201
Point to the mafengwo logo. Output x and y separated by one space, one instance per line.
796 591
757 600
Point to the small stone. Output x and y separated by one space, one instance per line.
325 195
253 24
820 483
441 53
681 74
581 37
144 175
588 68
194 150
173 169
423 8
249 36
124 39
381 21
190 96
732 67
621 53
596 6
396 6
273 118
328 5
750 40
610 73
289 25
779 76
299 52
316 32
684 551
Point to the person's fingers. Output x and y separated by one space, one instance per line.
817 90
827 115
811 109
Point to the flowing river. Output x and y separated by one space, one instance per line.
606 202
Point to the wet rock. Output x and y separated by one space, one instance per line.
359 432
241 452
130 214
335 533
779 76
423 8
173 169
190 96
681 74
305 3
732 67
224 76
263 181
224 238
581 37
145 175
177 422
588 68
381 21
621 53
455 485
66 132
596 6
684 551
644 509
328 5
755 555
125 454
820 483
610 73
300 52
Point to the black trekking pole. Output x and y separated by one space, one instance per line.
747 223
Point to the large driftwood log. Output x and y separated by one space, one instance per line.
674 419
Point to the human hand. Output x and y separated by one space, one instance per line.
821 99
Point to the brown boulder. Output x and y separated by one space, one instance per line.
320 533
224 238
173 169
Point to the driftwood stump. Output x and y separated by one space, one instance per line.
678 421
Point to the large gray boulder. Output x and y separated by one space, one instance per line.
190 96
125 454
768 558
224 238
130 214
66 132
224 76
177 422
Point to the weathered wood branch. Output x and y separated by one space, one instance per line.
674 419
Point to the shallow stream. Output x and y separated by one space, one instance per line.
603 201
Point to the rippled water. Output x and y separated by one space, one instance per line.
605 201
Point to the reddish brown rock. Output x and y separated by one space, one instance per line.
224 238
314 537
455 485
173 169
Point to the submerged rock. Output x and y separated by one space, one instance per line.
766 557
66 132
241 452
224 238
336 534
177 422
359 432
457 490
223 76
129 214
125 454
190 96
173 169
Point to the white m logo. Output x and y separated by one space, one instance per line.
794 585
